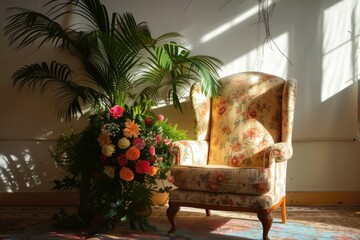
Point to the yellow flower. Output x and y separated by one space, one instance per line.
108 150
123 143
109 171
131 129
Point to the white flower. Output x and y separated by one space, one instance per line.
123 143
109 171
108 150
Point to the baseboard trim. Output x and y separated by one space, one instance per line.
322 198
31 199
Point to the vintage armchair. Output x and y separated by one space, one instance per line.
243 141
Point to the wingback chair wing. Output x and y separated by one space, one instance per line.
243 141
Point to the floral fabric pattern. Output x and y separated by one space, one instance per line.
201 112
246 119
189 152
222 178
264 201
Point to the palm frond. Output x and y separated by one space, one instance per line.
26 26
207 67
57 78
120 58
109 66
168 36
91 10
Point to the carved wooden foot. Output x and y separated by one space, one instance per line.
207 212
266 220
172 210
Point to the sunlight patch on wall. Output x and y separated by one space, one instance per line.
337 44
230 24
5 175
265 58
18 173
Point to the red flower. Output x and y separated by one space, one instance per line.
148 121
122 160
142 166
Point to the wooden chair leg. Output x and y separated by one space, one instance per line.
207 212
283 211
266 221
172 210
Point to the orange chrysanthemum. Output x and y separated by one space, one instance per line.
126 174
132 153
131 129
152 171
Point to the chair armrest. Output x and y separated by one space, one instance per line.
190 152
278 152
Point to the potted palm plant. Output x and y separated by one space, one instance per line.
125 70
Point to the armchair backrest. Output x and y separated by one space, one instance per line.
254 111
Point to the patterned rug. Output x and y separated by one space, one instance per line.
325 222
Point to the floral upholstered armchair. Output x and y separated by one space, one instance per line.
243 141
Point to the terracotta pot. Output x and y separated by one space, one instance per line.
160 199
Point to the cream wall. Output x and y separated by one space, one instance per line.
320 38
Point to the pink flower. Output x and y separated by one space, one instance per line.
160 117
158 138
160 159
167 141
152 150
116 111
138 143
142 166
170 179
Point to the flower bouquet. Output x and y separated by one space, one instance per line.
115 164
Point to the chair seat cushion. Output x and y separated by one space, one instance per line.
222 178
223 199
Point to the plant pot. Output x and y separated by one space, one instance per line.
160 199
140 209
